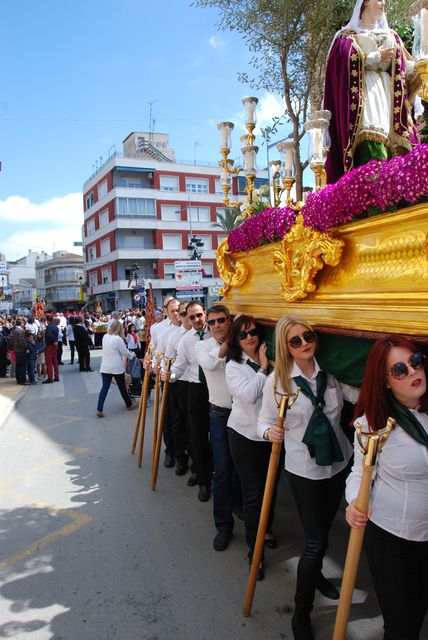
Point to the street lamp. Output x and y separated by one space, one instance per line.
134 274
195 248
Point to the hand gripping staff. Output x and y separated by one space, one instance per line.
286 400
141 415
155 465
373 446
158 357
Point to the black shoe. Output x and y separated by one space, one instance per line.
301 625
204 493
169 461
71 363
260 570
222 539
87 370
47 381
60 363
192 481
326 588
271 543
56 379
180 467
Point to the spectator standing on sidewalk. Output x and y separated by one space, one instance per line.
19 345
81 338
31 357
51 351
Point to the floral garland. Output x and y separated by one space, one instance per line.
375 187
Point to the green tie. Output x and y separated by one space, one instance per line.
407 420
202 378
319 435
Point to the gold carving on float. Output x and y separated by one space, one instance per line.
302 254
233 274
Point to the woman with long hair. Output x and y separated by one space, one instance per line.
317 452
114 352
396 536
133 341
245 378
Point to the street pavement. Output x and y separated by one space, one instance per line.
89 552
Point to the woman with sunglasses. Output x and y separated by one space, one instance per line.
317 452
396 536
245 378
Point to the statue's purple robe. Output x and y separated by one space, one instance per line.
344 97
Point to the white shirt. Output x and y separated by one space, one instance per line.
70 334
246 388
186 358
399 496
113 351
174 340
131 343
297 457
156 329
206 352
163 336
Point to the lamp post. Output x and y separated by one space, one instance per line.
195 248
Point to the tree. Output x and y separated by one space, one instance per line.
289 42
228 219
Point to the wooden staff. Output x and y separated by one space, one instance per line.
286 401
158 357
155 465
141 415
374 443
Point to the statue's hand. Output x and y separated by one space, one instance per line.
386 54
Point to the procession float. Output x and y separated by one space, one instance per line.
352 258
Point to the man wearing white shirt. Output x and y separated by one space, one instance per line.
197 397
211 356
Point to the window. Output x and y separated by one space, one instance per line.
106 275
197 185
105 246
93 279
199 214
104 218
218 188
89 200
170 241
207 270
169 183
169 270
170 212
90 226
135 207
92 253
220 239
102 189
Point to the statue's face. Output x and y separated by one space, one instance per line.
374 8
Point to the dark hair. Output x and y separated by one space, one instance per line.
373 400
172 300
219 308
193 303
130 325
240 324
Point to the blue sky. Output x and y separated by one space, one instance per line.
77 77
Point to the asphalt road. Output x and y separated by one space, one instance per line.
89 552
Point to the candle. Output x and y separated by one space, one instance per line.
250 110
289 157
317 143
424 33
225 129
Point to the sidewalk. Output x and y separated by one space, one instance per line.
10 393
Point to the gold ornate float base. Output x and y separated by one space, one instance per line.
380 283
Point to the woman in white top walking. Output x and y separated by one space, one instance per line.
245 378
114 351
317 452
396 537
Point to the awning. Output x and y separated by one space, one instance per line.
141 169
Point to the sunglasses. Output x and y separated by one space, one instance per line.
400 370
242 335
296 341
212 322
196 315
183 314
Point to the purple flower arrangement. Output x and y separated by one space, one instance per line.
374 188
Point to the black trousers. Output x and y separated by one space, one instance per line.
72 346
399 570
198 416
84 357
176 406
317 502
251 460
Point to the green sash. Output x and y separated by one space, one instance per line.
319 435
407 420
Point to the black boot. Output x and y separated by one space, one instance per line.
301 624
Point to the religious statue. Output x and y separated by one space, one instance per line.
370 88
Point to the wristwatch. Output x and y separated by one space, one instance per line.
266 434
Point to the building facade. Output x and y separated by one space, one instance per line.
144 208
60 281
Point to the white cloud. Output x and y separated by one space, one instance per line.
58 210
48 240
216 42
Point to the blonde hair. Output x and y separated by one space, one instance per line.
116 329
283 357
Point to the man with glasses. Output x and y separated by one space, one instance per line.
211 356
197 397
